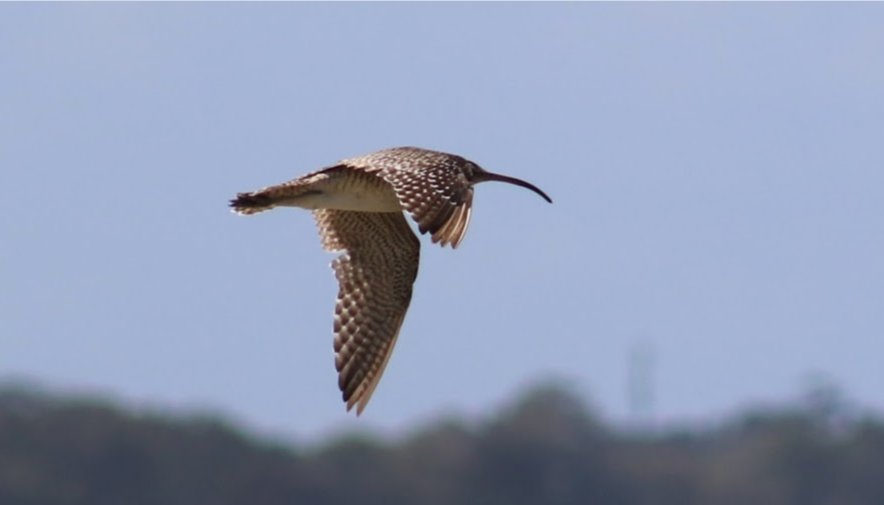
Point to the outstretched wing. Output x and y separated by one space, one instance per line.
430 185
440 200
375 277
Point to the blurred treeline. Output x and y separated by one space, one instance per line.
546 448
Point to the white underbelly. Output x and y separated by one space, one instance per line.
345 195
352 201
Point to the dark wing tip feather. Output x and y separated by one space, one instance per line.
250 203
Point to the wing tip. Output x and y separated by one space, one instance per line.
455 229
250 203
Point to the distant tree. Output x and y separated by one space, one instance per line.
544 448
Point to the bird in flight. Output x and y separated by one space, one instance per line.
357 204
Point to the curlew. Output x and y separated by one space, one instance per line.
357 204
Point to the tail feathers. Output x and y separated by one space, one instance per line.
251 203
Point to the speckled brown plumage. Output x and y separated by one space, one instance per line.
375 275
439 199
358 204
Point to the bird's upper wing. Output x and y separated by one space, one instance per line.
375 277
439 198
430 185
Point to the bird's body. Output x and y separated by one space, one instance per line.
358 204
338 187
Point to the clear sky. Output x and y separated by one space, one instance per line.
717 172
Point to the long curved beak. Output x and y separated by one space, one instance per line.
488 176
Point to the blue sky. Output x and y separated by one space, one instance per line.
717 172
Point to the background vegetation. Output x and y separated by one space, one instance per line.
546 448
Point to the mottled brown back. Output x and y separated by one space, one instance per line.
432 186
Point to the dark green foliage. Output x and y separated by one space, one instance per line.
544 449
